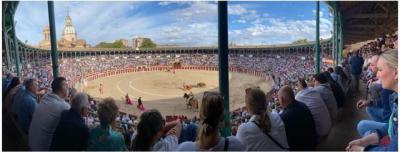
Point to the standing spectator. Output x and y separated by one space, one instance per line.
387 73
26 104
299 123
72 133
264 131
316 105
356 62
211 117
150 131
47 115
103 137
6 82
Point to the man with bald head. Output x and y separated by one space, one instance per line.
298 120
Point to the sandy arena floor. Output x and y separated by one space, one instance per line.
163 90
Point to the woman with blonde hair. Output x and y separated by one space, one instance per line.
211 119
387 74
265 131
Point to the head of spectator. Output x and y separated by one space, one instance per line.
256 104
14 82
31 85
107 112
211 118
373 62
149 130
80 103
60 87
330 70
320 79
285 96
301 84
387 69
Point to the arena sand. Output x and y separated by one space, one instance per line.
163 90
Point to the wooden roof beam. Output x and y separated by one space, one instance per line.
377 15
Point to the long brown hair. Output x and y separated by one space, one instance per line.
257 105
151 122
211 114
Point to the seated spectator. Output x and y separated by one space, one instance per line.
6 82
211 118
321 85
154 135
12 84
264 131
337 91
25 105
387 73
189 131
47 115
9 95
72 133
299 122
103 137
316 105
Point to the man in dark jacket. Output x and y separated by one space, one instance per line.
72 133
356 62
298 120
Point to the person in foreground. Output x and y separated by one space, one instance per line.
154 135
103 137
72 132
387 73
265 130
211 119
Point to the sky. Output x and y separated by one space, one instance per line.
185 23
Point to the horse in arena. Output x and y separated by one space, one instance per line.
191 102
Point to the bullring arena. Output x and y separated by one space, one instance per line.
163 90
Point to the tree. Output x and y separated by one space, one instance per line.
148 43
300 41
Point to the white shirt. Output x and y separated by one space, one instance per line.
251 136
169 143
329 99
233 145
45 120
316 105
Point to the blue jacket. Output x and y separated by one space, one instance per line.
391 129
356 65
24 105
71 134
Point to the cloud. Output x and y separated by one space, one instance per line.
320 13
236 10
189 23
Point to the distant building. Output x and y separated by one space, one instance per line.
137 42
125 42
69 38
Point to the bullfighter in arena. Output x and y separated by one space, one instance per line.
101 89
128 100
140 104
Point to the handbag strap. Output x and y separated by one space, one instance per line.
270 137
